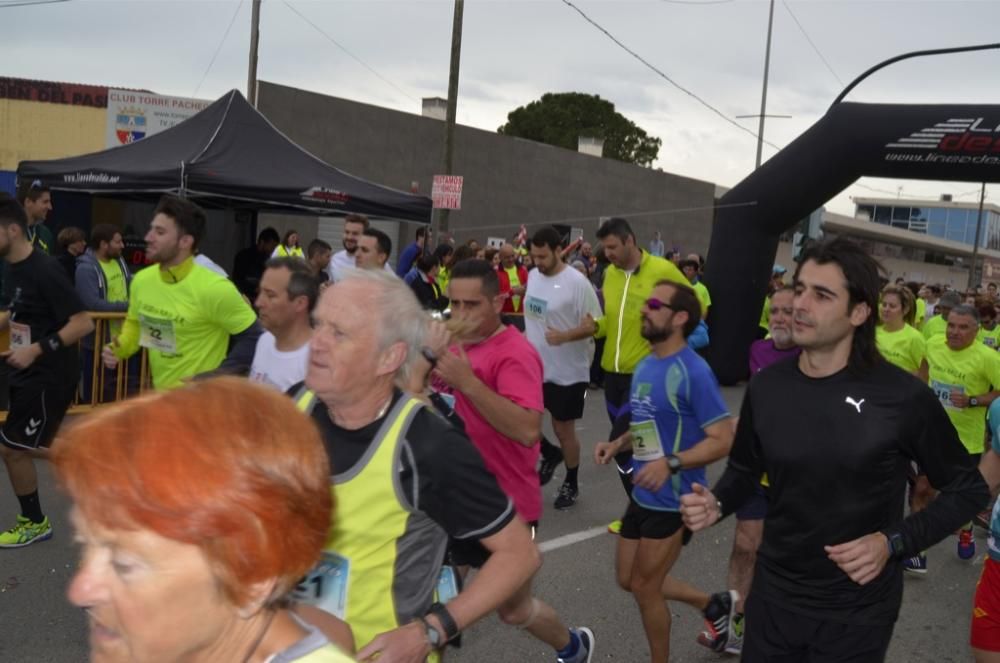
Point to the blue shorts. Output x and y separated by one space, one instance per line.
754 508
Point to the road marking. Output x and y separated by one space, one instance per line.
570 539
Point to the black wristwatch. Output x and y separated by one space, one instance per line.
896 545
433 635
973 402
447 622
674 463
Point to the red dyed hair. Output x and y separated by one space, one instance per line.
226 465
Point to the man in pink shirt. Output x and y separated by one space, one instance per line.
496 377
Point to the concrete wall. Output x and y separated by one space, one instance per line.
508 181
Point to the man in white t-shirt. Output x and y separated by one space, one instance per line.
355 226
558 298
288 291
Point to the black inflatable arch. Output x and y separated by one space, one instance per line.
937 142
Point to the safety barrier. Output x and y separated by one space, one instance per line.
98 385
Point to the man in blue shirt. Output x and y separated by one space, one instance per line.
409 255
679 424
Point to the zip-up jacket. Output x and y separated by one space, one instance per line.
624 295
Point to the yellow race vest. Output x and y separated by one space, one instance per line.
361 578
294 252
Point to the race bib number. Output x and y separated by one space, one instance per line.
20 335
327 584
157 334
943 392
535 308
646 443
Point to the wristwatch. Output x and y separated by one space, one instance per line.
674 463
895 545
433 635
973 402
446 620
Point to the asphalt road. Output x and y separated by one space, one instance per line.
577 579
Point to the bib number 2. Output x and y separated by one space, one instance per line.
157 334
646 443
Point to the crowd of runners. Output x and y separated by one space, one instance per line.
362 479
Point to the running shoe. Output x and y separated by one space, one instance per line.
585 653
916 564
719 616
567 496
614 527
551 458
966 544
25 532
735 643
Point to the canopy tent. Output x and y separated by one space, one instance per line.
227 155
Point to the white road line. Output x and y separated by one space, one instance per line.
570 539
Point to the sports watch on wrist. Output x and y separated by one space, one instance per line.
447 623
433 635
674 463
973 402
896 545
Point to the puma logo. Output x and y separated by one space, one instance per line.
856 404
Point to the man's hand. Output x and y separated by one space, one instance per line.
108 355
455 370
605 451
22 358
861 559
958 399
653 475
589 324
699 509
517 290
438 338
406 644
555 337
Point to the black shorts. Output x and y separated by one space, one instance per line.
777 635
470 552
754 508
565 402
36 410
642 523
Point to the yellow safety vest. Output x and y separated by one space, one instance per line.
295 251
360 577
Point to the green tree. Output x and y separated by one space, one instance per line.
560 118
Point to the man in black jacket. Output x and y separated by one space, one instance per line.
836 431
424 283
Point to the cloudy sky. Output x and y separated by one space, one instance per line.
392 53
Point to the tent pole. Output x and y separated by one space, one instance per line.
254 42
975 246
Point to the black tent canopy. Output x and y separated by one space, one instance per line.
226 155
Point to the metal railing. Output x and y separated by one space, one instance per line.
98 385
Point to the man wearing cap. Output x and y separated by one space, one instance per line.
939 323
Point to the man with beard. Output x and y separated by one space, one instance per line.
46 319
37 202
557 299
355 226
679 424
185 315
836 431
102 282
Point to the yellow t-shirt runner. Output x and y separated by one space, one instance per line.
904 348
989 337
117 289
936 326
921 314
184 317
972 371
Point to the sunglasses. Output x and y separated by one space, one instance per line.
654 304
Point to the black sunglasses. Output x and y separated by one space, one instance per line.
654 304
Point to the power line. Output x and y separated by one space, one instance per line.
29 3
352 55
696 2
664 76
811 43
218 48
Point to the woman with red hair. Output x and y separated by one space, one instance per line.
198 510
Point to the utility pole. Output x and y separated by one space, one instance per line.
763 94
441 217
254 42
975 247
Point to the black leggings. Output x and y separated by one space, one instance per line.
617 390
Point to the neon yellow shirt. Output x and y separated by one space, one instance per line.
918 319
184 316
625 293
117 290
972 371
765 315
989 337
515 282
936 326
904 348
702 292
